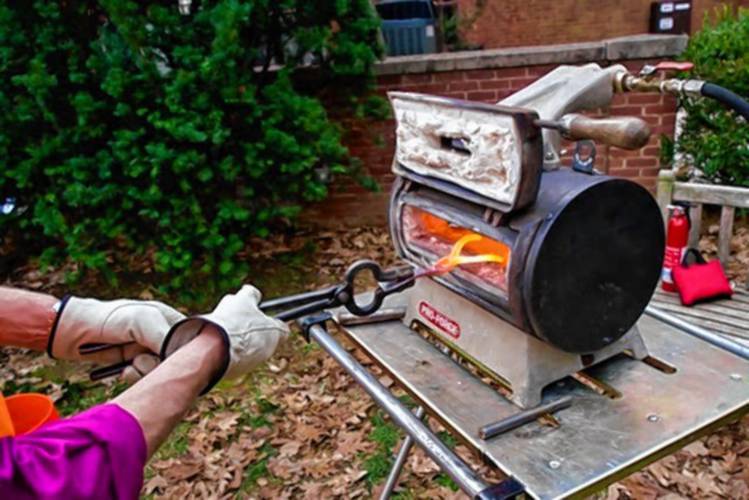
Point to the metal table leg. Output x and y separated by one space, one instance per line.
400 461
443 456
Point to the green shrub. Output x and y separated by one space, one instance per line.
125 125
717 139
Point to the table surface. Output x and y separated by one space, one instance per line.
600 439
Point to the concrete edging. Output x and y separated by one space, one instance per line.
614 49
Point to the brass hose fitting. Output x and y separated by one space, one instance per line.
627 82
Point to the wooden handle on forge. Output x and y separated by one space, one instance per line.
625 132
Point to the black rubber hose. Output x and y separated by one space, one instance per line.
726 97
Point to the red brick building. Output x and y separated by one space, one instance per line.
513 23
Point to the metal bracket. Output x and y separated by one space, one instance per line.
508 489
307 322
584 159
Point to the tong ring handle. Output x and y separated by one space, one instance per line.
380 275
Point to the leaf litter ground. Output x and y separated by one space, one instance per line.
301 428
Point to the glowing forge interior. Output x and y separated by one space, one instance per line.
434 237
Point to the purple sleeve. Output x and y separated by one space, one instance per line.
99 453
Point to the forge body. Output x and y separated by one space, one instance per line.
581 254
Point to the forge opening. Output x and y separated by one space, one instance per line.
432 237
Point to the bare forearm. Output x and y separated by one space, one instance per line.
26 318
161 399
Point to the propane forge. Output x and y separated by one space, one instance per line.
581 253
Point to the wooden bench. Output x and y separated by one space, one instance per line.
728 317
728 197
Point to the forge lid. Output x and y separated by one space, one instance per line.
487 154
594 263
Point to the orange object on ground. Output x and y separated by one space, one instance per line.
6 423
27 413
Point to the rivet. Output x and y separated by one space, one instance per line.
555 464
653 418
736 377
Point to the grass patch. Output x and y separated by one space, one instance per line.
266 406
80 396
386 435
309 347
59 373
448 439
377 466
383 433
258 469
258 419
253 421
11 387
177 444
408 401
444 480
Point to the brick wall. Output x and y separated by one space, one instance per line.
512 23
374 143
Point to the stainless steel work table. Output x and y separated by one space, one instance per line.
600 439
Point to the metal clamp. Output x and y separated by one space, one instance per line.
308 322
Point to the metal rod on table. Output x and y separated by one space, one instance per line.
453 466
400 461
521 418
711 338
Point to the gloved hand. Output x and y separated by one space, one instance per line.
250 336
109 332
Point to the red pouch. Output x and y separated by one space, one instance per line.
701 280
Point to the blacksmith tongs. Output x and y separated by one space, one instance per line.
389 281
291 307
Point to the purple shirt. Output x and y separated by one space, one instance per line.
99 453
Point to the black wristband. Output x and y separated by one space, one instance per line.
224 337
53 331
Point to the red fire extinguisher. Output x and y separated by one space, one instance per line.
677 237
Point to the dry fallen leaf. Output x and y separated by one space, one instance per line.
154 483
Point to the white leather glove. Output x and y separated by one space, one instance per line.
109 332
250 336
